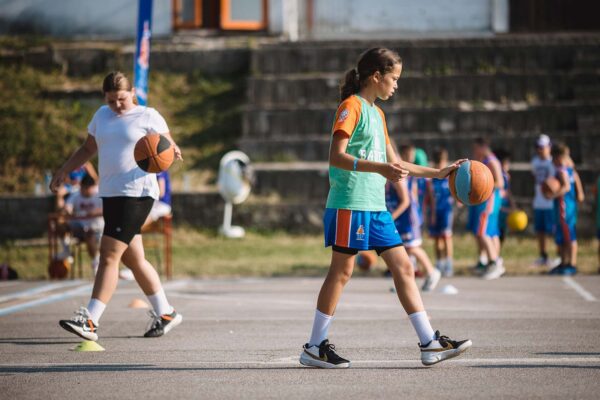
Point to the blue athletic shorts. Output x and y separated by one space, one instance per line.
565 233
483 218
360 230
443 224
544 221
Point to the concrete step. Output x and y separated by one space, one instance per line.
584 148
509 53
264 122
427 91
309 182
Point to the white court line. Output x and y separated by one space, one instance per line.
38 290
579 289
293 361
45 300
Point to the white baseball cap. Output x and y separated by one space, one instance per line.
542 141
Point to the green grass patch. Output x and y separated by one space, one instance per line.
205 254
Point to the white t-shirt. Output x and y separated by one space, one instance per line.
78 205
542 170
116 136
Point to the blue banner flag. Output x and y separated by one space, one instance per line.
141 62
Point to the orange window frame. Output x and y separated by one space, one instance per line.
179 24
228 23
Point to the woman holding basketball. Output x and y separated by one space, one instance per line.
127 194
361 159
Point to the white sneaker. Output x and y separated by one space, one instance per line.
555 263
81 324
322 356
432 280
442 348
494 271
126 274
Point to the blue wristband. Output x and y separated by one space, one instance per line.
355 163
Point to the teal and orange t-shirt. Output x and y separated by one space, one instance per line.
364 124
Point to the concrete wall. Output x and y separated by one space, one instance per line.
109 18
390 18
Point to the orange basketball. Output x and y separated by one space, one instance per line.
154 153
472 183
550 187
365 260
59 269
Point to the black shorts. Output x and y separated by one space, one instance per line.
124 216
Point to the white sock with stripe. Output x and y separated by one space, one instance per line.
420 322
320 328
159 302
96 308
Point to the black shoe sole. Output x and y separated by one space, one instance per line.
66 326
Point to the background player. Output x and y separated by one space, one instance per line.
440 215
483 218
543 215
565 211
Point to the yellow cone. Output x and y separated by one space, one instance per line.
138 303
88 345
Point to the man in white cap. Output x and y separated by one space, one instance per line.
542 168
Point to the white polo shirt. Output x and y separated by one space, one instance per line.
116 136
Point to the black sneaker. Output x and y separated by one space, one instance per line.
442 348
322 356
81 324
162 324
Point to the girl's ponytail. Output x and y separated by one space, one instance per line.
350 85
377 59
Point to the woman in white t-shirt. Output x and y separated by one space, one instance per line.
127 194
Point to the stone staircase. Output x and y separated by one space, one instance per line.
509 89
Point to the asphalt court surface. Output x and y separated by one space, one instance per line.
533 337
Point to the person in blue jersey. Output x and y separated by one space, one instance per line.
508 203
402 202
483 218
565 210
439 202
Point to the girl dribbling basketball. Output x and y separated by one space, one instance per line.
361 159
127 194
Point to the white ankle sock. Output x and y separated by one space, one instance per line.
159 302
320 328
420 322
96 308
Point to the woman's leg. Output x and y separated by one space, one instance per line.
107 276
145 274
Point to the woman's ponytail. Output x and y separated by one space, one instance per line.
350 85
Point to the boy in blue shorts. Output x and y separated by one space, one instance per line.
483 218
440 215
543 214
565 211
